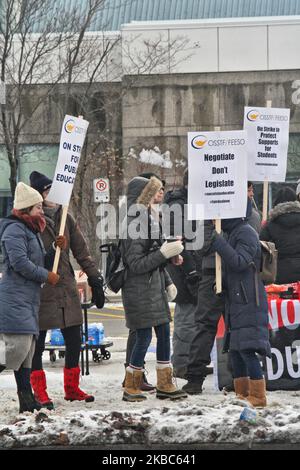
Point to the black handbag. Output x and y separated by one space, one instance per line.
117 280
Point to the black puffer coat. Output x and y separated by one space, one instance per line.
248 321
283 228
192 259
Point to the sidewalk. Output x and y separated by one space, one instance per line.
210 418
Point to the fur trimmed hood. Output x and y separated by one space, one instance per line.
284 209
142 190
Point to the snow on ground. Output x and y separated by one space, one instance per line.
209 418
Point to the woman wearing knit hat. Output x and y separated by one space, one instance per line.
20 287
61 308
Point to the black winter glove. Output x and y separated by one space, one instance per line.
96 284
192 280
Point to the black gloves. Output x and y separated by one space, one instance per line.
96 284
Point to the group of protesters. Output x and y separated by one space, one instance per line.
159 269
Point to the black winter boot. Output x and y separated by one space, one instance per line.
27 401
193 388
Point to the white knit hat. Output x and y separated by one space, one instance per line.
25 196
298 188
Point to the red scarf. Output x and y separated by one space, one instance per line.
36 223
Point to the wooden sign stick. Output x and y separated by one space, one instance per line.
266 185
218 257
61 232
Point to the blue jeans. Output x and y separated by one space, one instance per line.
245 364
143 340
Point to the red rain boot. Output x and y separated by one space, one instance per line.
39 386
71 383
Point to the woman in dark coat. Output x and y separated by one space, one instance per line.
147 289
246 311
283 229
20 287
61 308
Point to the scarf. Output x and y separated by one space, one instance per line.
36 223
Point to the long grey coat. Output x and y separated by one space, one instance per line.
23 274
144 292
64 295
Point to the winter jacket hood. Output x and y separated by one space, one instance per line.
178 196
142 190
4 223
229 224
286 213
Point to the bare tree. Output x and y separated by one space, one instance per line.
39 43
48 55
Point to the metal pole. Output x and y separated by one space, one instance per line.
103 238
87 369
81 351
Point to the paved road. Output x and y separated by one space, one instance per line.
113 320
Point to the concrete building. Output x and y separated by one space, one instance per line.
217 56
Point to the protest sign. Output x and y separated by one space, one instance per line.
71 142
268 139
217 175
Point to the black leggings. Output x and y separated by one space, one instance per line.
72 337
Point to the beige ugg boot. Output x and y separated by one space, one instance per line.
257 393
241 387
132 386
165 387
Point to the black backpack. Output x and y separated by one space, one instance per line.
115 274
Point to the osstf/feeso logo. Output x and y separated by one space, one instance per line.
199 142
253 115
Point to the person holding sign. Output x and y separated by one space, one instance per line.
20 287
60 306
246 308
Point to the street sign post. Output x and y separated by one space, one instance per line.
101 190
101 195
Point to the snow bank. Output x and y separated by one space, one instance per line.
184 424
208 418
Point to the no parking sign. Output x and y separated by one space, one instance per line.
101 190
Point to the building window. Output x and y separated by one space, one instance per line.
38 157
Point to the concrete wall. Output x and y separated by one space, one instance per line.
160 110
